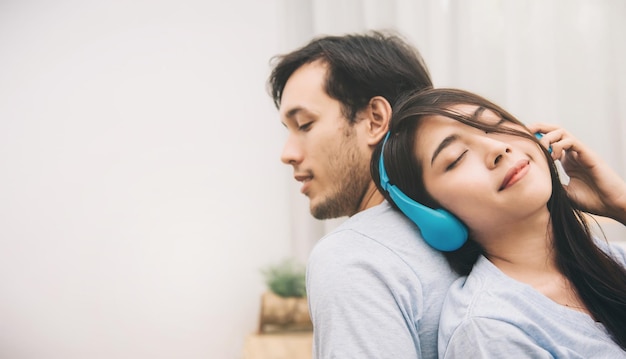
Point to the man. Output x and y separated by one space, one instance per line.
375 288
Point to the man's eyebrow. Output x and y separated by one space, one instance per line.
292 113
295 111
445 143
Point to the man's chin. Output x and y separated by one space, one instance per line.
327 210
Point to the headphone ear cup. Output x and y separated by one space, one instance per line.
439 228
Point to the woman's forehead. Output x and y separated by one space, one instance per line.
485 115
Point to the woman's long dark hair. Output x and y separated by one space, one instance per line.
599 280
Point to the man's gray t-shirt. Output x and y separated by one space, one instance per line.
490 315
375 289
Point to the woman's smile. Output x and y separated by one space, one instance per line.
515 174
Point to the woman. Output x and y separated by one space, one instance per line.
538 284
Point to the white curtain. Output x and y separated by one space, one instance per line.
557 61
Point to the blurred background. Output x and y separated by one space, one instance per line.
141 189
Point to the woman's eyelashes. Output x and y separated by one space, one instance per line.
456 161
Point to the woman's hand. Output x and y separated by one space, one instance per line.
594 186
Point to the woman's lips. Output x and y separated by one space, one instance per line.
515 174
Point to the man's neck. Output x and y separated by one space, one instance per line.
371 197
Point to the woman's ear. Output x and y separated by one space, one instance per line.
378 116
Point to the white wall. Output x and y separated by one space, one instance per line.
140 182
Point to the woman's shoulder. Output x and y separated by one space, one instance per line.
472 290
616 250
487 294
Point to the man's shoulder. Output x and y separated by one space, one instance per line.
380 221
382 237
378 227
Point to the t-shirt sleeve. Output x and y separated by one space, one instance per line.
490 338
364 301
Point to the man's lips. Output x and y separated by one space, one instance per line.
304 179
515 174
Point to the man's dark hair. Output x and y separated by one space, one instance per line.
360 66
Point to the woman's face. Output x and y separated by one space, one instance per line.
491 181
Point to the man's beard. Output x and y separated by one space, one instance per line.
352 181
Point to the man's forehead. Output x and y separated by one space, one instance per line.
308 77
303 89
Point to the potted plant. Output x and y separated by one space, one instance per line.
284 306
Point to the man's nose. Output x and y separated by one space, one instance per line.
292 153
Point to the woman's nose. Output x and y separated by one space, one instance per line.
495 152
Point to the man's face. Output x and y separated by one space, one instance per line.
326 152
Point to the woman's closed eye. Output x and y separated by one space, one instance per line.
456 161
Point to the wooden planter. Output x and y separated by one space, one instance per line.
280 314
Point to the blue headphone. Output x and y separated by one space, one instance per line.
439 228
539 136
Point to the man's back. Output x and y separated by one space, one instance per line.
375 289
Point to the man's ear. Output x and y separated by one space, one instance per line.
378 115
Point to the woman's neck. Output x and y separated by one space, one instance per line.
525 253
521 245
523 257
